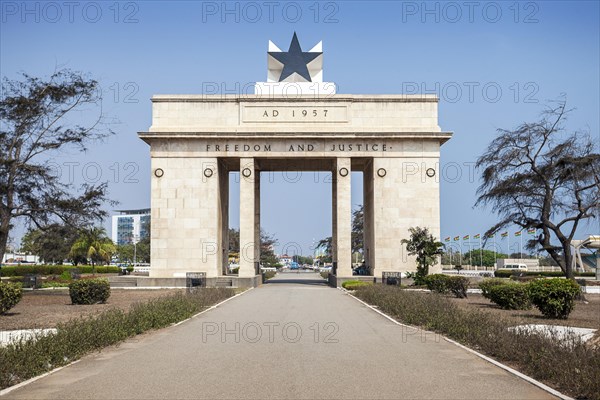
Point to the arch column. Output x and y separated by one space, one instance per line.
249 217
342 217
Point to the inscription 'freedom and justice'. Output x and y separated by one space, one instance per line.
307 147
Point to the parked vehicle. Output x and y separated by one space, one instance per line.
513 267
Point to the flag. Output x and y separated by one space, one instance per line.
466 237
531 231
447 239
478 236
504 234
518 233
491 235
456 238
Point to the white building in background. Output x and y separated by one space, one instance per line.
130 226
18 258
285 260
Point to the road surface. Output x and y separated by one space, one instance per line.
294 337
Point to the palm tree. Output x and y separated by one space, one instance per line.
94 245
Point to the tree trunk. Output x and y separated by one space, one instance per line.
569 273
4 231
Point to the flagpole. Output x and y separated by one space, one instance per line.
480 252
495 258
521 237
508 236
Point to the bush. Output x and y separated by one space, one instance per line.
324 274
458 285
437 283
89 291
269 274
355 284
10 295
510 296
487 284
555 298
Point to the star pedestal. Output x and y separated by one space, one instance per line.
293 89
295 72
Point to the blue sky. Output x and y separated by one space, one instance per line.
493 64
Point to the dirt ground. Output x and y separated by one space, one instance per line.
47 308
583 315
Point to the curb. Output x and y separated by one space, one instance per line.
510 370
35 378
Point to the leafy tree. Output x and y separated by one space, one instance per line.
303 259
451 257
143 251
358 220
267 249
423 245
327 246
234 240
475 257
357 238
38 120
144 245
538 176
124 252
94 245
267 246
52 244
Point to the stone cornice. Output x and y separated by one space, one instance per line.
235 98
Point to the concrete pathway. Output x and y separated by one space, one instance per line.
291 338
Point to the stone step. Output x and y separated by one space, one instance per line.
122 281
224 282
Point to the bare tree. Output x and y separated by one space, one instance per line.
539 176
37 120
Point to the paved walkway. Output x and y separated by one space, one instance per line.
291 338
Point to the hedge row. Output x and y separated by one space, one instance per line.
355 284
22 270
573 368
34 356
547 274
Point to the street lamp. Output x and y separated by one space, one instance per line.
135 241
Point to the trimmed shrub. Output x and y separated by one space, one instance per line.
458 285
22 270
269 274
89 291
487 284
437 283
510 296
555 298
10 295
355 284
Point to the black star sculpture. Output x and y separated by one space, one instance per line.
294 60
